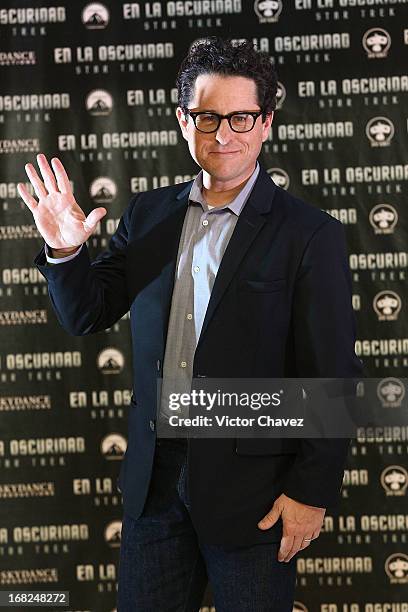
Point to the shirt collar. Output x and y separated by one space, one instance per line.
236 205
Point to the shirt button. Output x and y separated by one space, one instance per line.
196 269
183 364
205 222
189 316
152 425
158 365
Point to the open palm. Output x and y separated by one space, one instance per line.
59 219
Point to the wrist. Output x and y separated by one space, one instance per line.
63 252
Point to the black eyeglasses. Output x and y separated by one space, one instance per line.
210 122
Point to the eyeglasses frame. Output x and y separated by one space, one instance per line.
193 115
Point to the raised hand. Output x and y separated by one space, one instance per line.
59 219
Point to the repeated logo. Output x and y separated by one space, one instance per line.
299 607
396 568
376 42
394 480
280 95
113 533
17 58
110 361
103 190
380 131
99 102
19 145
18 232
383 218
279 177
268 11
95 16
23 317
391 392
387 305
113 446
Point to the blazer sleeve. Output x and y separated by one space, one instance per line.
90 296
324 337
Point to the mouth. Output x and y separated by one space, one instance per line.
223 152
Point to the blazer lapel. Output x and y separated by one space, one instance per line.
250 222
172 225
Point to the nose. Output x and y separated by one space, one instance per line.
224 132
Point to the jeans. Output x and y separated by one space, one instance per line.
164 568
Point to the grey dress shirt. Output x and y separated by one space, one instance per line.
204 238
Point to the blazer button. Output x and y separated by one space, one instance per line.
152 425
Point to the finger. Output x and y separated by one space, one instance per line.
270 518
93 219
305 544
285 547
35 180
46 172
297 543
27 197
62 178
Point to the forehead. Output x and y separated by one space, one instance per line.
224 93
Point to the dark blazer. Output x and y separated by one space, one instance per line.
280 307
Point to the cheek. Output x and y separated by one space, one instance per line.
201 144
193 144
256 141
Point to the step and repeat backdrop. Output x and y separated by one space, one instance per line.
94 84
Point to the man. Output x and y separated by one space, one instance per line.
228 276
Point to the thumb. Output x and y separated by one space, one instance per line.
270 519
93 219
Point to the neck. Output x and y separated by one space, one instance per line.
218 193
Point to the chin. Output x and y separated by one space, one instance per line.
223 168
222 174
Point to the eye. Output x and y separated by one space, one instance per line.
208 118
240 118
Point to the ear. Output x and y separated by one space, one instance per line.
182 120
267 125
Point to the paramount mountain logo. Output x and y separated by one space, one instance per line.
112 534
95 16
99 102
110 361
103 190
113 446
299 607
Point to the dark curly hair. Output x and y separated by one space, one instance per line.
214 55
